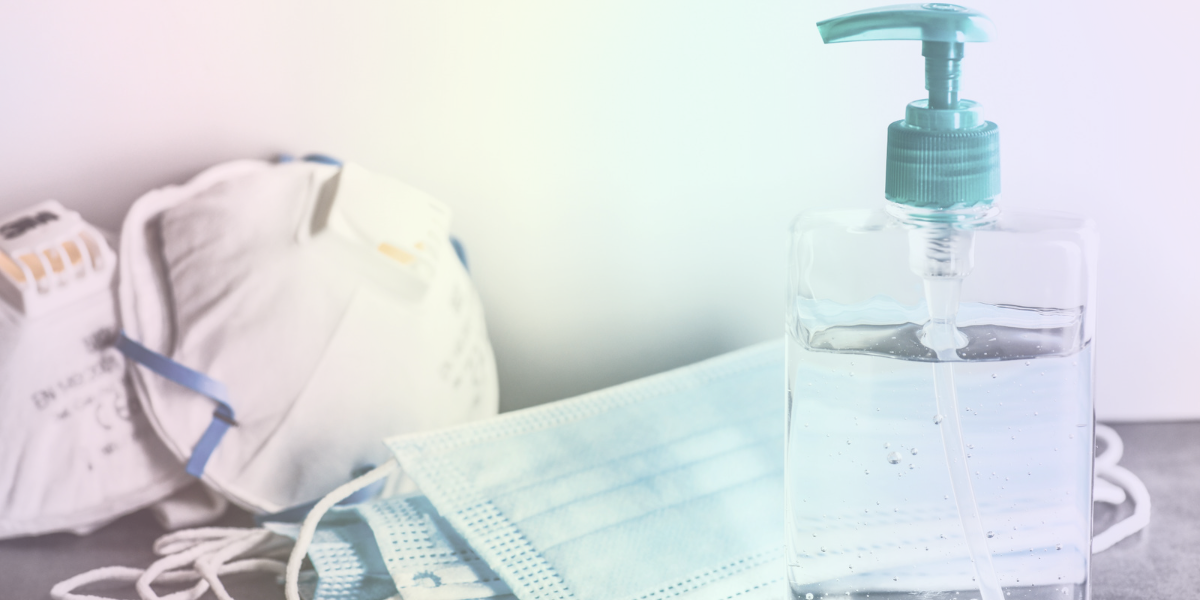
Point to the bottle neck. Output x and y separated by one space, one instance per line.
972 217
941 242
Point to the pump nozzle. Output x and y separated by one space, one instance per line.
933 22
943 28
943 154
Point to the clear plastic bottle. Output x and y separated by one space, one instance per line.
939 371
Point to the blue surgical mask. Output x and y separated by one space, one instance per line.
670 486
667 486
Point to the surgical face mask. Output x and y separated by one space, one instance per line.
75 450
668 486
284 318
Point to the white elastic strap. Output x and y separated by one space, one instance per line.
206 550
180 541
183 558
1107 467
256 542
291 587
1107 492
1114 448
62 590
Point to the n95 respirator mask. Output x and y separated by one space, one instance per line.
284 318
75 450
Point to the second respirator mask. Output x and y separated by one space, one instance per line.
75 450
284 318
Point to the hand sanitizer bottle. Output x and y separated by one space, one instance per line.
939 383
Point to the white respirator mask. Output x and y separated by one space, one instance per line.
284 318
75 450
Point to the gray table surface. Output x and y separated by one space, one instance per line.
1162 561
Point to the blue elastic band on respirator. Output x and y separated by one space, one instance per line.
323 159
460 252
195 381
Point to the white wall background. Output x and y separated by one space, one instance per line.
623 171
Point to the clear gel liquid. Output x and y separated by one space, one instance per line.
873 510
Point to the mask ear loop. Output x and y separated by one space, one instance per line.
256 542
63 589
1107 467
205 550
291 587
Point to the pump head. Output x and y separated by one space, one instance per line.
942 27
943 155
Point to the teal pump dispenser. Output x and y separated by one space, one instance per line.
939 370
943 154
